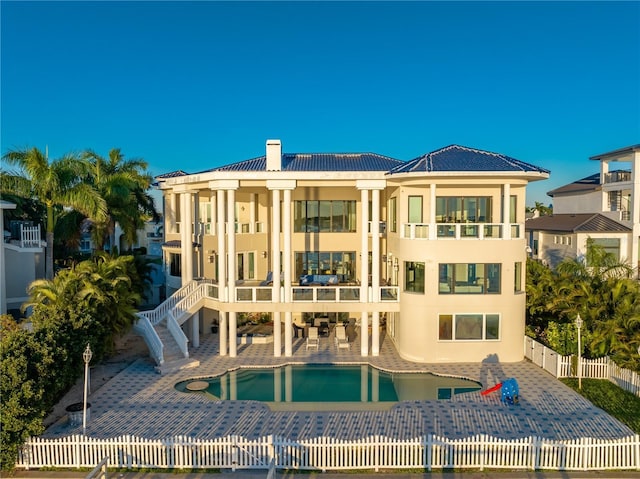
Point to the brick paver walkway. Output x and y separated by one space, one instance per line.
141 402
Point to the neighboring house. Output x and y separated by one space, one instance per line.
150 238
604 206
21 260
430 252
557 237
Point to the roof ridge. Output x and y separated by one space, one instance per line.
590 218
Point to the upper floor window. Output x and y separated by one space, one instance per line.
393 227
324 216
175 265
414 277
415 209
460 209
469 278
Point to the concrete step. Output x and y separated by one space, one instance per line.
177 365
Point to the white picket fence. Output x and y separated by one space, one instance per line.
565 366
326 453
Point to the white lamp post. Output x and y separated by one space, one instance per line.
87 358
579 326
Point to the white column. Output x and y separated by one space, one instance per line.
364 270
183 244
222 250
197 253
433 232
233 334
223 331
506 204
364 248
635 210
172 213
252 213
231 243
364 334
375 333
221 273
195 203
195 329
187 237
288 334
213 206
375 245
286 229
275 261
375 270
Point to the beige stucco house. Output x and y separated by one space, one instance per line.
431 252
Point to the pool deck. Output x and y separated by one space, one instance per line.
140 402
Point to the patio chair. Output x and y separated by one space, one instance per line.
341 338
312 339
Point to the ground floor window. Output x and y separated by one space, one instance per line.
469 327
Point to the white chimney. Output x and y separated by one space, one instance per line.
274 155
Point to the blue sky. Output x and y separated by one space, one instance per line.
192 85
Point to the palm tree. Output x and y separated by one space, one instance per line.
55 184
123 185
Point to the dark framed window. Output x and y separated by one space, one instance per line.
462 209
324 216
414 277
393 225
469 327
175 264
341 263
469 278
517 279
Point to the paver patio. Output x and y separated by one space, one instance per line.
140 402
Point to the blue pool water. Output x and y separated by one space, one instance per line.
326 383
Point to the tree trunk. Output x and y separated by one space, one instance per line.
49 256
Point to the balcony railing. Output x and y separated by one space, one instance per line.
27 237
303 294
617 176
460 231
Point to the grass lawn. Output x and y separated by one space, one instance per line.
619 403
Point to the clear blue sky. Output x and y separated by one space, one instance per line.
192 85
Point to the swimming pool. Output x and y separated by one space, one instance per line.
327 387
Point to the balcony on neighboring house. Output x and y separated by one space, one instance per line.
617 176
23 234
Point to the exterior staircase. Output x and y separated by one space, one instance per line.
174 360
153 327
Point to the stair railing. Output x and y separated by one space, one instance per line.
176 331
145 329
158 314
